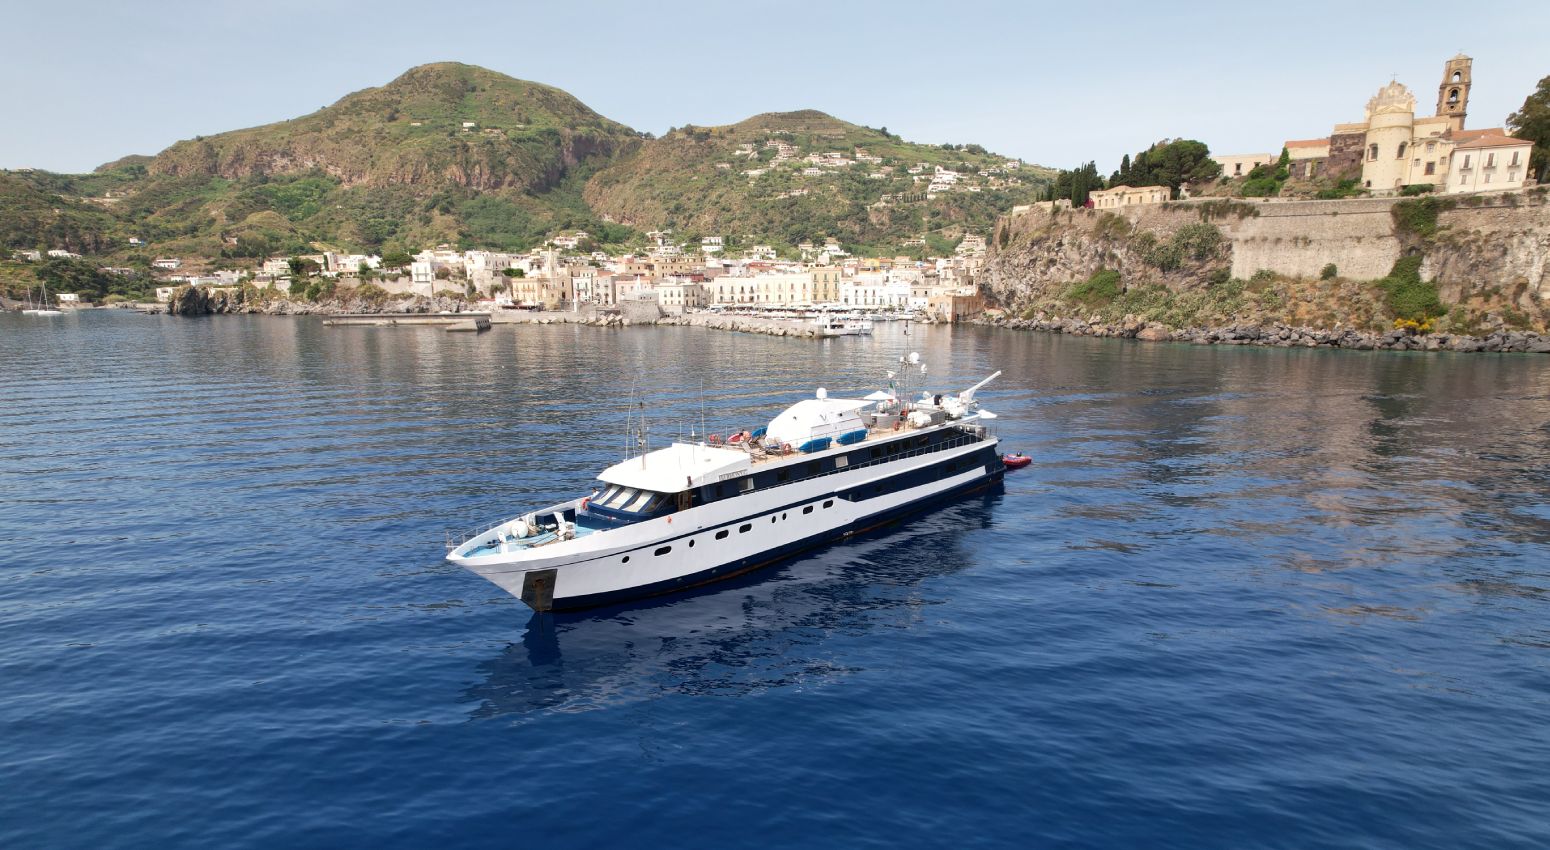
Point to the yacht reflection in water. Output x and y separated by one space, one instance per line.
765 630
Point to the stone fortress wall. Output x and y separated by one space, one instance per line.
1503 241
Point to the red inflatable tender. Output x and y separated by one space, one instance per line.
1016 461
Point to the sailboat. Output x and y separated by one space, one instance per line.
42 308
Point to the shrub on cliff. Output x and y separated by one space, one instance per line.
1418 217
1261 187
1343 189
1101 288
1223 207
370 293
1197 241
1328 272
1407 296
1111 226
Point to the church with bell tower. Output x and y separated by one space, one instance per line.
1392 148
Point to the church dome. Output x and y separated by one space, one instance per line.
1393 97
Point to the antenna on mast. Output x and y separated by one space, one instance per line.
644 447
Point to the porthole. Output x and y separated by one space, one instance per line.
783 517
626 560
773 518
829 503
722 534
746 527
808 509
691 544
663 551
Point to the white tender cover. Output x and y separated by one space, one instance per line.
816 417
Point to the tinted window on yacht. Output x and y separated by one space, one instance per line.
722 534
664 550
841 462
745 528
808 509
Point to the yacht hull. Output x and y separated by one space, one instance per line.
727 539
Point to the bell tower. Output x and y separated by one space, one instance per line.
1453 94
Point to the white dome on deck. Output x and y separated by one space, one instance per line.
816 417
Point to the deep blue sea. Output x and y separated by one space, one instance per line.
1244 598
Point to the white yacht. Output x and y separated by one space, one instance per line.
693 513
843 325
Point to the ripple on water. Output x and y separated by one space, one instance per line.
1241 599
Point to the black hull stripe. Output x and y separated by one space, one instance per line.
781 553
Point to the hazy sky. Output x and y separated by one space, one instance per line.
1053 83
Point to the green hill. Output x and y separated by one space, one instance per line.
451 153
383 167
436 125
734 180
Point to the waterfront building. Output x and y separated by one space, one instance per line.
678 295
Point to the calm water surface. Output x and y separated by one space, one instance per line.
1244 598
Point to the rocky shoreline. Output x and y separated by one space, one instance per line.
1281 336
201 301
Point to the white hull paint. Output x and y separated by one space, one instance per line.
596 566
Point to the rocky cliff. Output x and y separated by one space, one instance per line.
1315 263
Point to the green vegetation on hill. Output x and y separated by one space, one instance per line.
1532 122
34 216
455 154
693 181
1172 163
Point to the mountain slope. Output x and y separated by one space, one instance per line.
387 166
754 178
395 167
33 216
444 124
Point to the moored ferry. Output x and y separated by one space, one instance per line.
697 512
